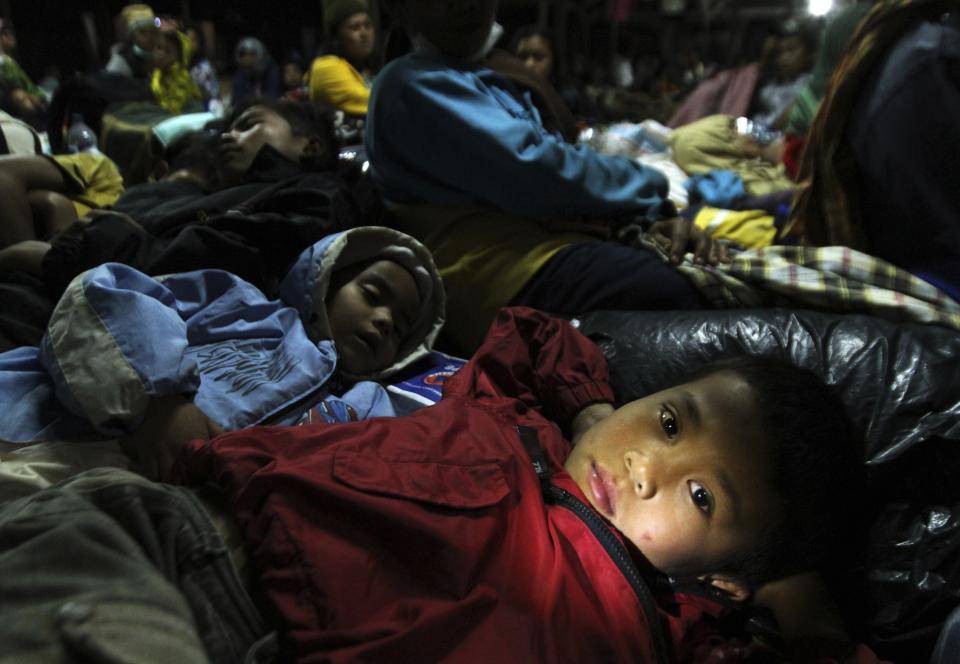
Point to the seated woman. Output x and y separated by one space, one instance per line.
836 36
536 46
171 82
19 95
203 72
794 53
257 75
131 56
341 78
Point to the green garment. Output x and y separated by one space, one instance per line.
835 39
13 77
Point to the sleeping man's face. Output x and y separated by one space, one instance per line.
255 127
683 474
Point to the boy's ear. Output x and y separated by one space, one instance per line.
737 590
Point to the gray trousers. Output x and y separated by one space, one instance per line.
110 567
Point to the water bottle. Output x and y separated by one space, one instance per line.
80 137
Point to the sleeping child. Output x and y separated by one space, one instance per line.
355 307
469 531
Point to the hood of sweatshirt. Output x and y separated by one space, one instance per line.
307 285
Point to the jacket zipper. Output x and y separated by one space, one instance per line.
614 547
620 556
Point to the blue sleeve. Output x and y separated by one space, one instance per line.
117 338
476 137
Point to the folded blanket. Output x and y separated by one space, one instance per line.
836 279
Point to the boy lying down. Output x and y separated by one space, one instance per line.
190 355
468 531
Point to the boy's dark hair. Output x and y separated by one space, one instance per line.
305 119
817 467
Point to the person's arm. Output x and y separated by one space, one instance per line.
118 65
19 175
810 622
803 608
168 424
24 256
333 82
468 140
539 359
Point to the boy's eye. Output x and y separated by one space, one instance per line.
668 422
701 497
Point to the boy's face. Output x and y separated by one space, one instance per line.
683 474
371 314
356 37
254 128
457 27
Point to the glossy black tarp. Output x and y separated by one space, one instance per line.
901 386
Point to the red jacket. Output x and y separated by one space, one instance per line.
428 538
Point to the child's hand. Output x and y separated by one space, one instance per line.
587 417
676 236
169 423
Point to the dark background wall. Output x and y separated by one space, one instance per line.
52 33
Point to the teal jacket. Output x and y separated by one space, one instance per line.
447 132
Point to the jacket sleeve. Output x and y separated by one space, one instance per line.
541 360
118 337
333 82
471 141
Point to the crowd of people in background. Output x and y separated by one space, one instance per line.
154 48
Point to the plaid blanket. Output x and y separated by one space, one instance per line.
836 279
